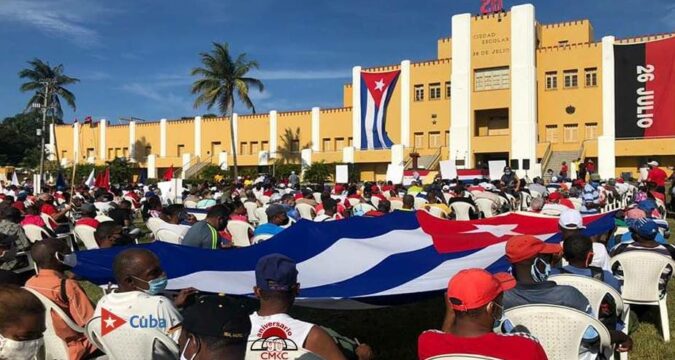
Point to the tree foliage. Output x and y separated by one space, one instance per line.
39 72
20 143
317 173
220 78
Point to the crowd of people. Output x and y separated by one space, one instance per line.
210 216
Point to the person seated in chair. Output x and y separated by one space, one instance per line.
88 213
276 217
51 281
109 234
22 323
474 299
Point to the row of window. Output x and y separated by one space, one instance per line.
434 139
434 91
571 78
571 132
335 144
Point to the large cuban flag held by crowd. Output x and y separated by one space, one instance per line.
376 90
354 263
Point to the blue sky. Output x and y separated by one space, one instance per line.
133 57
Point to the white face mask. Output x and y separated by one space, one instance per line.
13 349
182 354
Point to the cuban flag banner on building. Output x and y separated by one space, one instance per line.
355 263
376 90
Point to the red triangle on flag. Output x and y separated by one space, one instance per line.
110 321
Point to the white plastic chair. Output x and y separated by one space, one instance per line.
576 202
485 206
375 201
525 200
396 204
306 211
85 234
261 215
34 233
190 204
47 220
250 210
264 199
436 212
535 194
169 236
594 290
352 201
462 210
559 329
363 207
55 347
420 202
103 218
260 238
239 231
153 224
126 343
641 274
317 197
290 223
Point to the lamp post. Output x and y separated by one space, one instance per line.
41 132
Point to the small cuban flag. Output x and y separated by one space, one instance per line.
376 90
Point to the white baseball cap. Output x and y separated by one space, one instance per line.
653 163
571 220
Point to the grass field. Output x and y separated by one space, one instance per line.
392 332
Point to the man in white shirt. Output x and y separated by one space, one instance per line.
276 287
571 223
140 281
329 211
171 218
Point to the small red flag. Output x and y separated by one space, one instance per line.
168 175
110 321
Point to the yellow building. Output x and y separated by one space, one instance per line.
503 87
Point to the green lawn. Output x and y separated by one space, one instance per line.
392 332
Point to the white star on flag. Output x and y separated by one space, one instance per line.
495 230
109 322
379 85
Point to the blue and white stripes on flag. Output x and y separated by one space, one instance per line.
376 91
359 262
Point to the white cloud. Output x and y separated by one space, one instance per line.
68 19
301 74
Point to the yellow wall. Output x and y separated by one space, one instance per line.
335 127
424 113
574 32
64 137
444 48
347 95
215 130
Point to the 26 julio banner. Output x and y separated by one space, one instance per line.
645 89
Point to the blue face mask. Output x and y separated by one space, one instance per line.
155 286
498 321
538 275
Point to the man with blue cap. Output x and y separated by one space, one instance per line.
272 328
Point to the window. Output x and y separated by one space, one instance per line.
434 91
350 141
571 78
419 140
295 145
111 153
118 152
419 92
498 126
327 145
255 148
64 154
447 137
265 146
591 131
552 133
434 139
91 153
125 152
563 42
242 148
180 149
591 77
571 133
492 79
339 144
551 80
448 89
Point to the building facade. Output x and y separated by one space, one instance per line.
504 87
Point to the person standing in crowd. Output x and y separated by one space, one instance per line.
475 297
215 327
205 234
141 281
657 176
510 180
294 180
22 323
581 173
590 166
276 217
51 281
277 286
564 169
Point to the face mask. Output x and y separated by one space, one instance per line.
498 321
155 286
507 172
69 260
8 255
537 275
13 349
182 354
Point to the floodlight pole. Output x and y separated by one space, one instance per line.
42 136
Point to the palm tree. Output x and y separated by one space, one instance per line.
40 72
289 150
222 77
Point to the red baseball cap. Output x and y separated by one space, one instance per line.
555 196
472 288
523 247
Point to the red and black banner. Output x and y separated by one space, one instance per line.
644 81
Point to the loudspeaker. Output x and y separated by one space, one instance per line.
514 164
526 164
